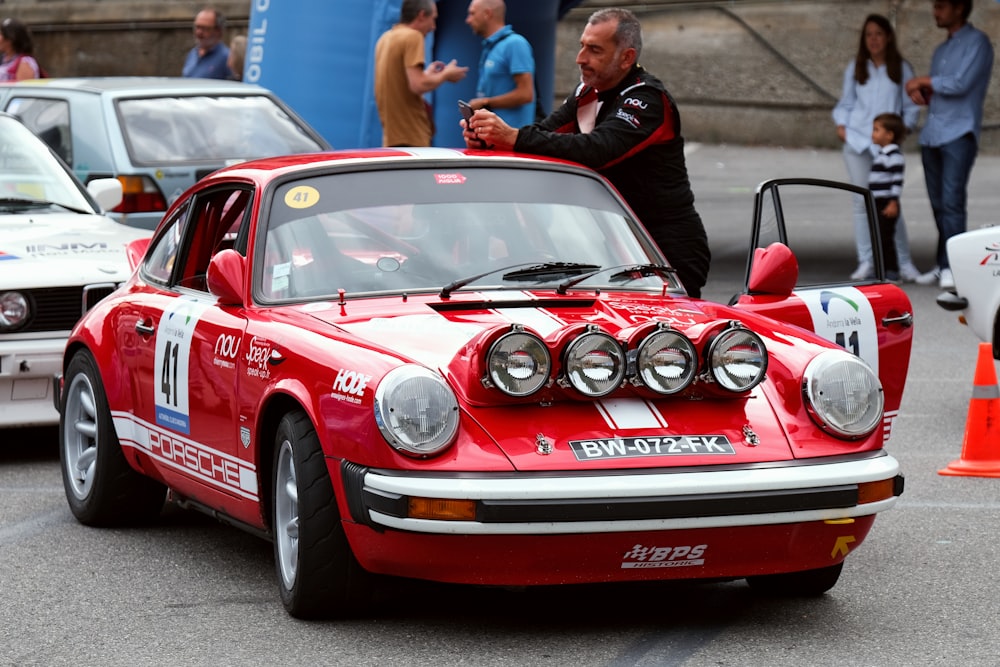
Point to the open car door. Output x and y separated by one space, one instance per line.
802 253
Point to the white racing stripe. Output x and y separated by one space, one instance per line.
626 413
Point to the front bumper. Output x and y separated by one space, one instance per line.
26 391
618 501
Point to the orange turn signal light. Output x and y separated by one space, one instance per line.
872 492
442 509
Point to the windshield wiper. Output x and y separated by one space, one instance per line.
530 272
623 273
549 269
25 202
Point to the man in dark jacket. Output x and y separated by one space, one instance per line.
622 122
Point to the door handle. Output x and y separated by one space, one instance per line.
906 320
144 329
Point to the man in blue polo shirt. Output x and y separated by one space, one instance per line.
954 93
209 59
506 82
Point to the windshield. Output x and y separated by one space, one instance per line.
423 229
166 130
30 176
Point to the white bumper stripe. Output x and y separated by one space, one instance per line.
638 485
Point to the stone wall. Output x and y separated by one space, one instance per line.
764 72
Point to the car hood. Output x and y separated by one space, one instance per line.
686 432
433 332
57 249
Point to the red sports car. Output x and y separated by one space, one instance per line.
480 369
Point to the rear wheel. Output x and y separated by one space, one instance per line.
101 487
809 583
318 575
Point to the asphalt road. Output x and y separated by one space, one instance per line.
922 590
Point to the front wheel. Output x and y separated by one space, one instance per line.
318 575
101 487
808 583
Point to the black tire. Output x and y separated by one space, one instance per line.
101 487
805 584
318 576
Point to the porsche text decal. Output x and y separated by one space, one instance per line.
170 372
641 556
209 465
651 445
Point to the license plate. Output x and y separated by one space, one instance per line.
625 448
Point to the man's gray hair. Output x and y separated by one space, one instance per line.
628 35
410 10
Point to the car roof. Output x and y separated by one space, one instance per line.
286 163
142 85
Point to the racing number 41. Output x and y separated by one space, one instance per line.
168 381
850 344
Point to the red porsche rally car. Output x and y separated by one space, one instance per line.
479 369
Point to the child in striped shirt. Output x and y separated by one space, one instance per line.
886 183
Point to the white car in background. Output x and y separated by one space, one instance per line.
59 255
975 261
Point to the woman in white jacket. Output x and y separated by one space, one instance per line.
874 83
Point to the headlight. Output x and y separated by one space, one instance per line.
737 359
416 411
666 362
518 363
14 311
595 364
843 393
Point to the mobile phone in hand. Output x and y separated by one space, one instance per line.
466 110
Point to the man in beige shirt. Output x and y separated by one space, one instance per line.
401 77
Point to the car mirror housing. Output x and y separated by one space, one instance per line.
225 277
775 271
106 191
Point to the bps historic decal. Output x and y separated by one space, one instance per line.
173 353
641 556
844 316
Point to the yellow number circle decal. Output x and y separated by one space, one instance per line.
301 196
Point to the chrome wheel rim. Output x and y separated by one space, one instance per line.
80 436
286 514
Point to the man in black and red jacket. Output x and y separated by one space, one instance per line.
622 122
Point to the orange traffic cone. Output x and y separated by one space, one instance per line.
981 446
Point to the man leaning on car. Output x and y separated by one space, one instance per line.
622 122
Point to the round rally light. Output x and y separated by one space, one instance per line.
14 311
844 394
737 359
416 411
518 363
666 362
595 364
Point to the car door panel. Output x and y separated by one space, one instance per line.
871 318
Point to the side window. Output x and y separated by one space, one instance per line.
217 219
160 261
48 119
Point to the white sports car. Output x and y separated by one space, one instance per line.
59 255
975 261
